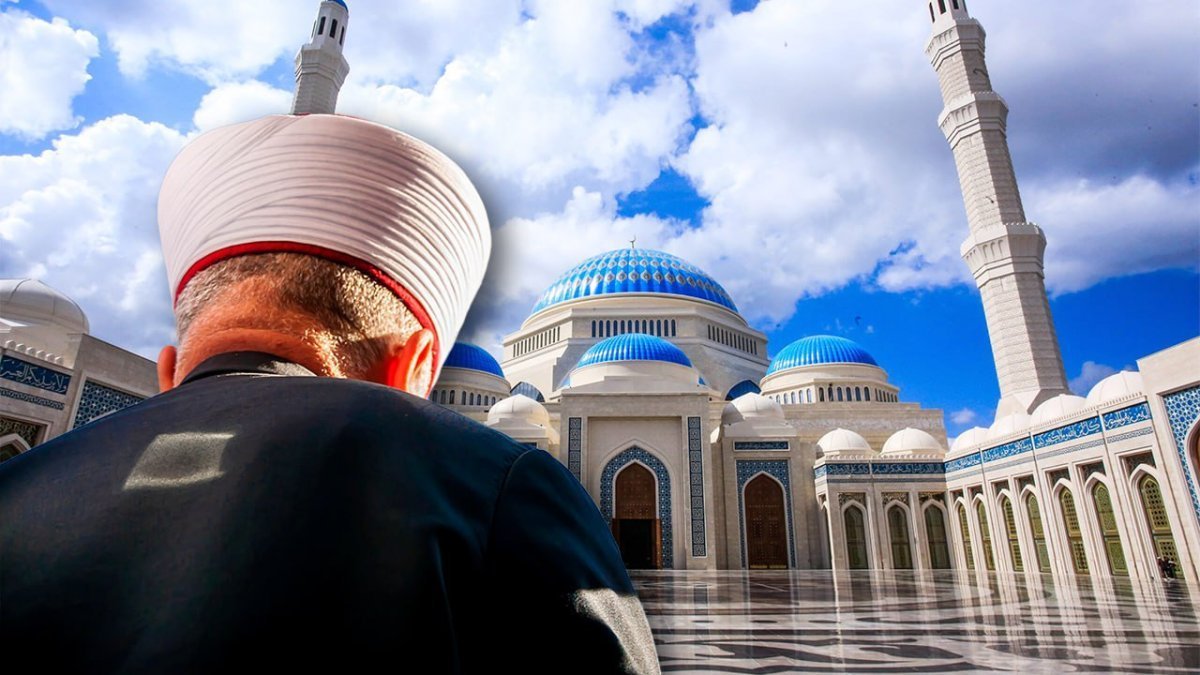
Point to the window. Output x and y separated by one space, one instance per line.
966 537
1158 521
932 17
985 537
593 329
821 395
839 390
1039 532
942 6
1010 533
935 530
342 38
333 29
672 327
321 27
856 538
901 546
451 397
857 394
1074 534
1108 531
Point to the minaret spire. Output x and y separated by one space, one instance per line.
320 66
1003 250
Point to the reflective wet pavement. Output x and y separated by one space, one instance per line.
943 622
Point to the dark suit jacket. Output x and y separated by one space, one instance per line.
258 516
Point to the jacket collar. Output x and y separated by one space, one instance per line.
246 363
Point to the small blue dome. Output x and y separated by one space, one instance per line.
633 347
469 357
340 2
741 389
634 270
818 349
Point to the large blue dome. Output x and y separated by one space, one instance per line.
634 270
633 347
818 349
471 357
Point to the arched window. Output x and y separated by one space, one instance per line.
658 327
867 394
593 329
1010 534
1158 521
1108 531
672 327
333 29
1039 532
856 538
471 398
985 537
839 390
793 398
966 537
942 6
901 545
821 395
1066 502
857 394
451 397
935 530
321 27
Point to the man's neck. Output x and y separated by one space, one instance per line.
303 350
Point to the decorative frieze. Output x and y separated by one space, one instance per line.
1070 432
33 375
888 497
696 477
1126 416
30 398
761 445
575 447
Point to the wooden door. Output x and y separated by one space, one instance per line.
766 525
636 526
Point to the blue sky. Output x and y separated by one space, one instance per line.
789 148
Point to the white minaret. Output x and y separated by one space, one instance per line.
320 66
1004 251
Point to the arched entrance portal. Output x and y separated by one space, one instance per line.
635 523
766 525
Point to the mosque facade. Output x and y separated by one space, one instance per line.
636 370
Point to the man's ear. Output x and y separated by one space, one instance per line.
412 363
166 368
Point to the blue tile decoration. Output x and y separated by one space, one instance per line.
28 431
575 447
777 468
607 496
634 270
1126 416
34 375
1130 434
908 468
696 475
761 445
30 398
1183 409
97 400
967 461
1017 447
820 471
855 469
1070 432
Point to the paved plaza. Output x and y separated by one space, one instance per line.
891 622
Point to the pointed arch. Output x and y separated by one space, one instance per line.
854 524
899 534
1072 529
635 453
1037 529
1157 520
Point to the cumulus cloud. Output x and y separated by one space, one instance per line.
44 67
964 417
824 166
81 217
240 102
1090 374
529 253
1097 232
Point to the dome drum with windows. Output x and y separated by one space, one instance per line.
633 355
471 377
827 369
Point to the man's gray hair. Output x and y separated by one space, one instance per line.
357 318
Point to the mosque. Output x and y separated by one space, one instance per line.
636 370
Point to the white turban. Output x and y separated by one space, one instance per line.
337 187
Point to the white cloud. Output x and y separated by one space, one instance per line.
43 66
964 416
1097 232
81 216
240 102
528 254
1089 374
